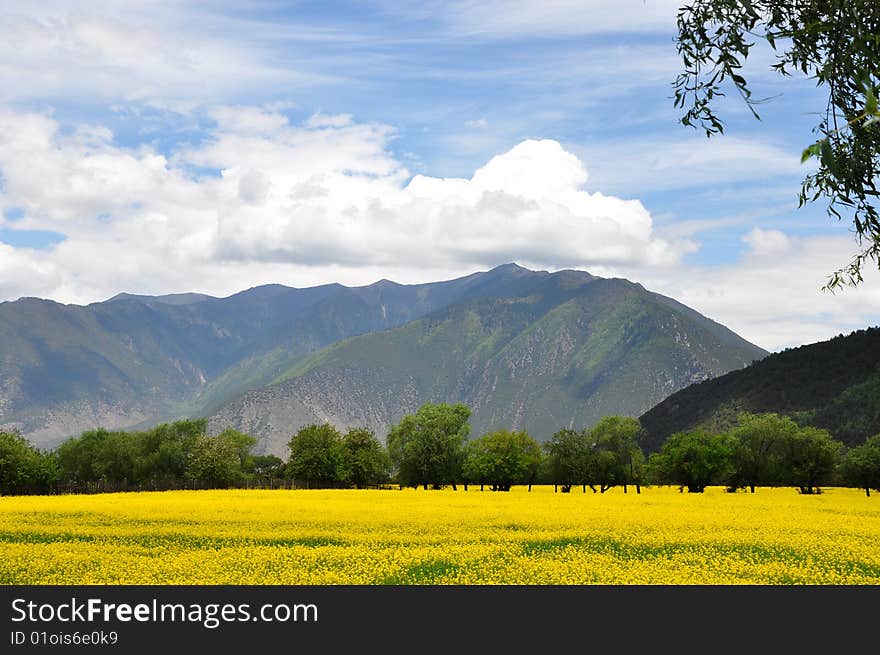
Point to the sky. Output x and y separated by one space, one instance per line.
163 146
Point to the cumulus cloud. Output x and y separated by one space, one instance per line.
295 204
327 200
767 242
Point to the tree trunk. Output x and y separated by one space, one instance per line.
454 488
624 487
638 488
530 487
481 486
868 491
465 486
555 488
426 486
584 489
752 487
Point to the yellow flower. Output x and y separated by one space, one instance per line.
416 537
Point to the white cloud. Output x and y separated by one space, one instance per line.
773 296
477 124
515 18
689 160
767 242
296 204
170 54
327 201
325 120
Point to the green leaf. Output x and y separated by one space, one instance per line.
870 101
810 151
827 157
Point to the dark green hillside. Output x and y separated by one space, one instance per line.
833 384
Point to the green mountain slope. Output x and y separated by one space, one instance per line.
833 384
565 350
136 360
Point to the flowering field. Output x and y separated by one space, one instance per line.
415 537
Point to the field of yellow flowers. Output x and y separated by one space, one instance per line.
416 537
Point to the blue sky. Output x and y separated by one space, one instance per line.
160 147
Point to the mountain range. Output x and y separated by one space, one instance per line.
524 349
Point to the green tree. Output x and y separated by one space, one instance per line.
99 455
619 459
427 448
861 466
78 456
693 459
757 445
809 457
835 42
570 459
163 451
215 461
475 464
502 458
364 460
24 468
266 466
316 455
115 457
242 443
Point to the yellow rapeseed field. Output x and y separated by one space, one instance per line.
416 537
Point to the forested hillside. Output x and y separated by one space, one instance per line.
833 384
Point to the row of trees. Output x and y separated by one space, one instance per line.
765 449
166 456
431 449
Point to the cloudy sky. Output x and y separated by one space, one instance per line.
159 147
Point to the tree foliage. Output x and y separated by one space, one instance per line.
809 457
364 460
316 455
861 466
605 456
756 449
501 459
694 459
619 459
23 468
163 451
569 457
221 460
427 448
835 42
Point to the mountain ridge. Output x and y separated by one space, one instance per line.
564 336
135 360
